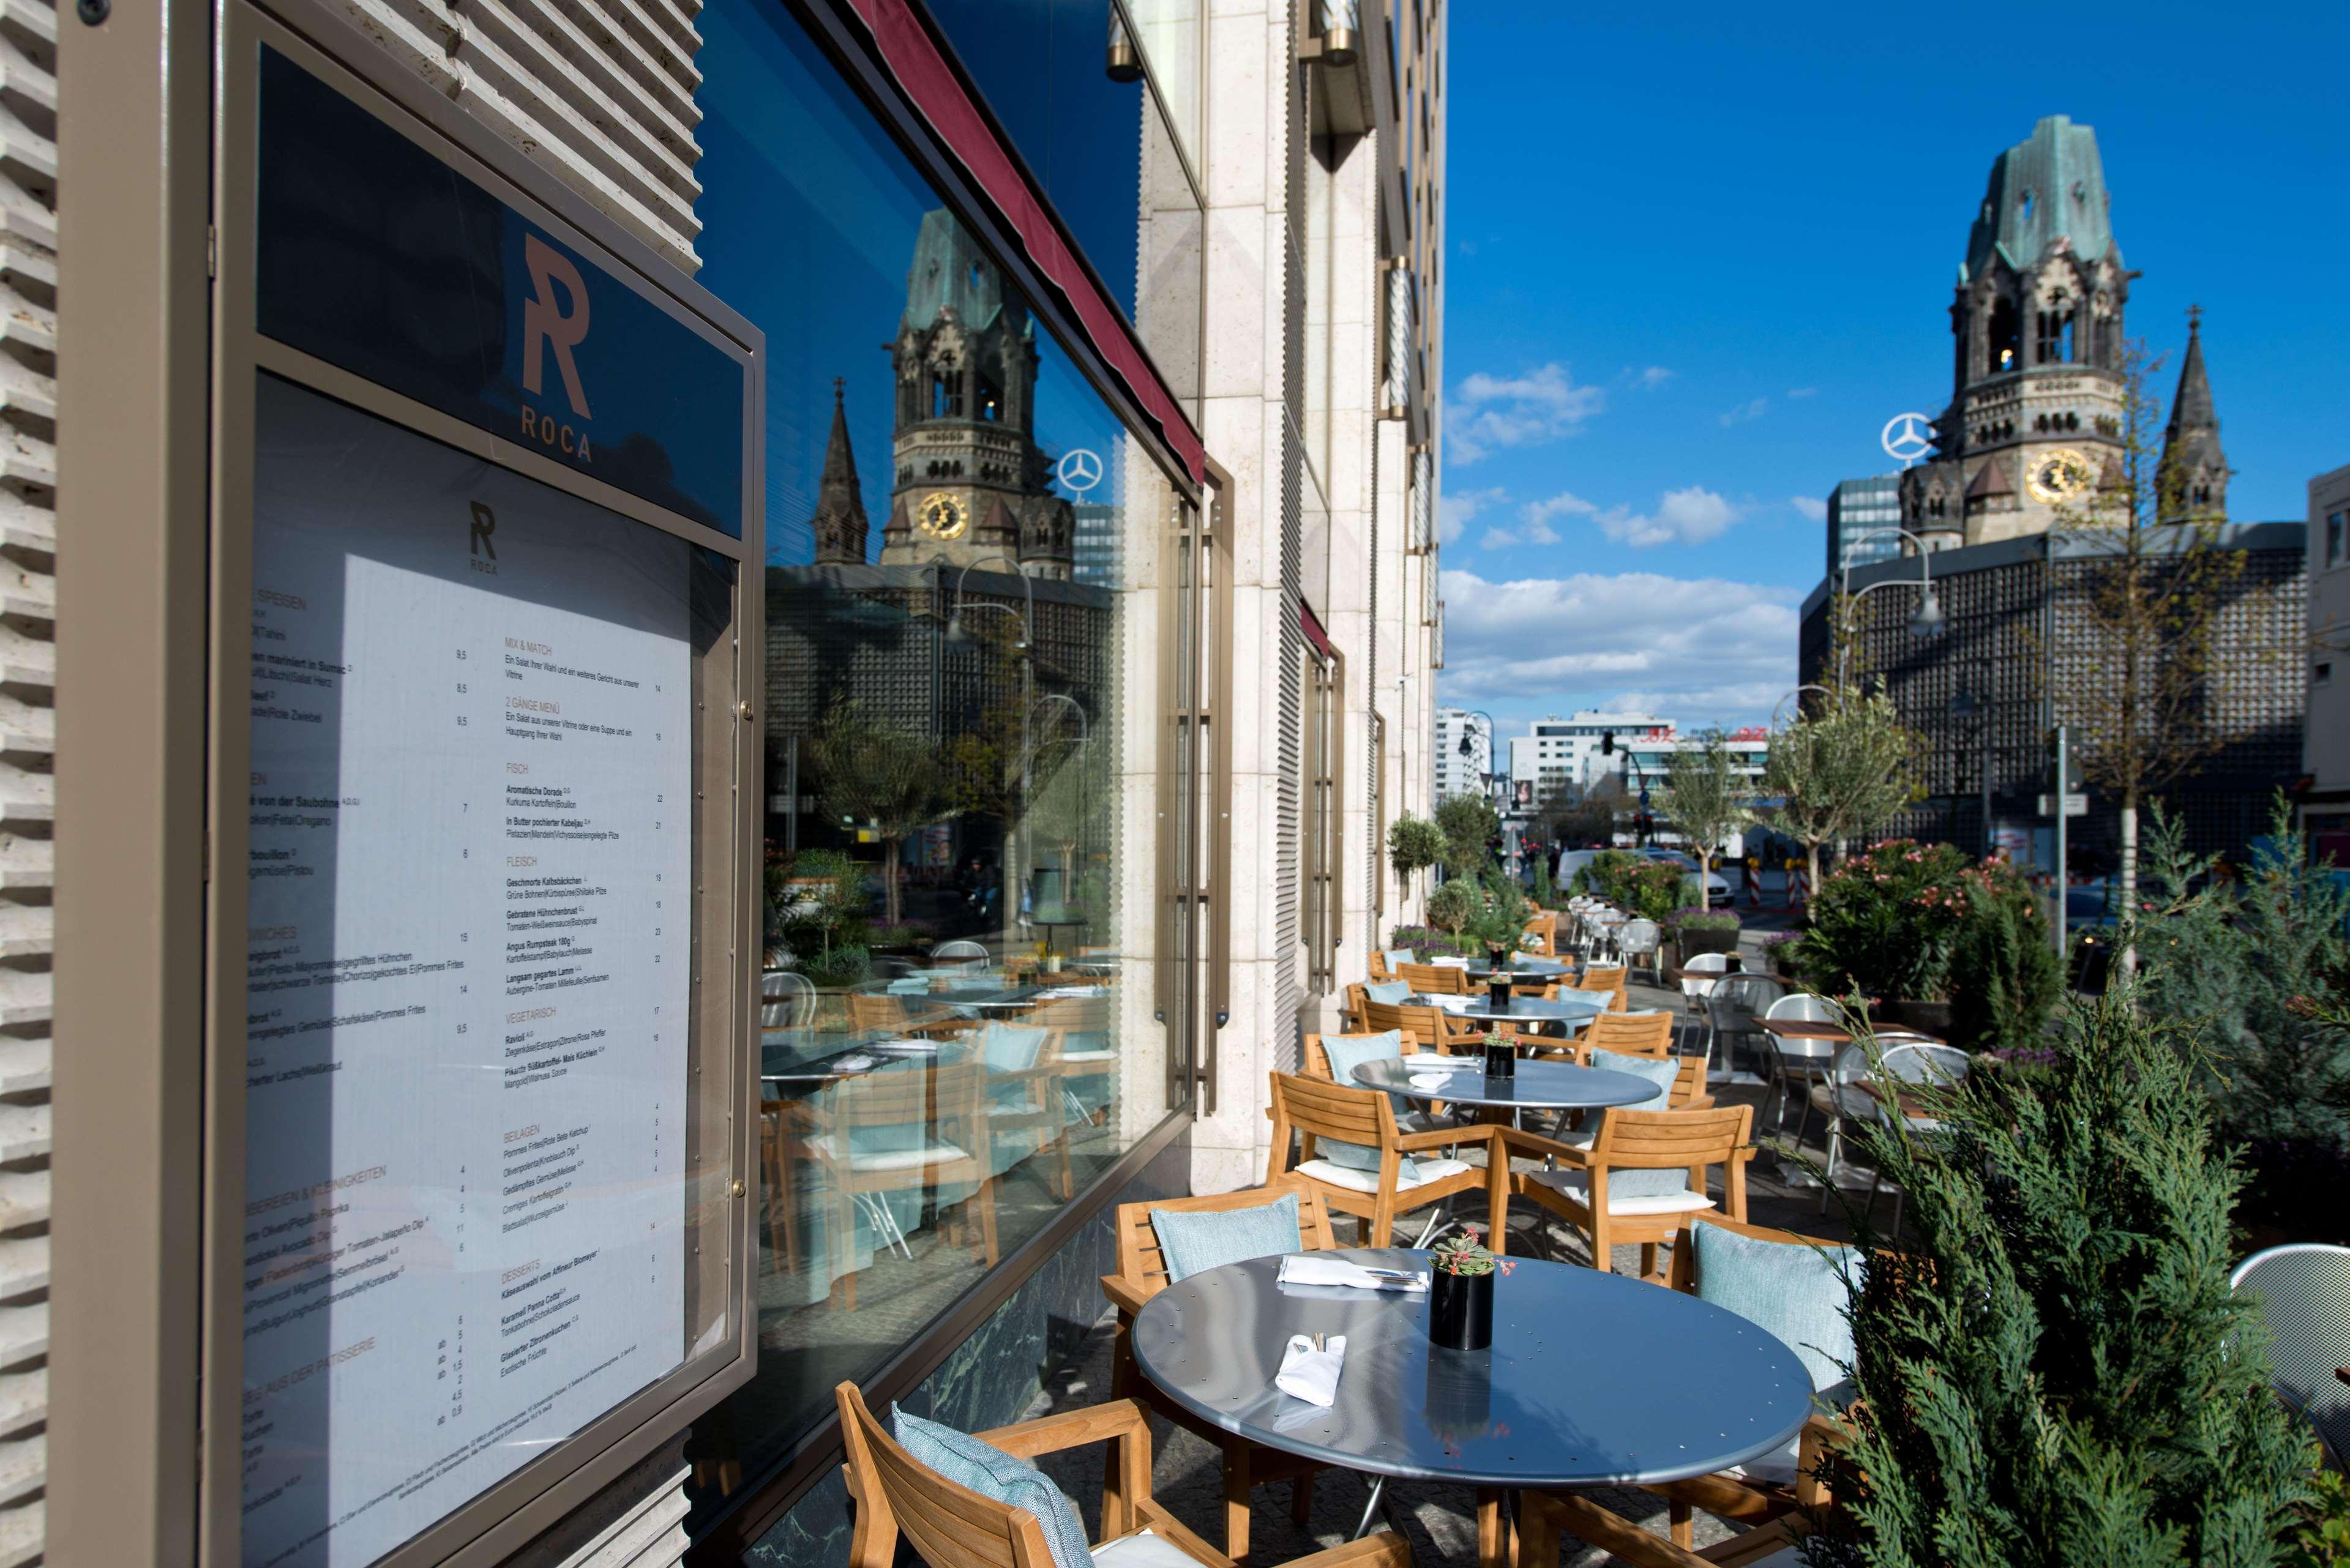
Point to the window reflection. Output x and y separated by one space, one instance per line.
957 1023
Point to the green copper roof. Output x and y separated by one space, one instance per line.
2049 188
950 269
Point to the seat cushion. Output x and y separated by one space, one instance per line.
1142 1550
1796 1293
1387 993
1009 1048
892 1159
1347 1053
992 1473
1397 956
1339 1175
1194 1241
1577 1185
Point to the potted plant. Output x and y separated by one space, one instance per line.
1461 1291
1778 953
1700 930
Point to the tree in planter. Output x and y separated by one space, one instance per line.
1469 824
1453 906
819 905
869 770
1706 796
2050 1368
1843 772
1414 843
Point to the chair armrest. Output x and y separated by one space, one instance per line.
1071 1429
1542 1514
1125 1294
1152 1517
1535 1145
1441 1137
1384 1550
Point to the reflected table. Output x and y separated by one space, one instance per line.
1592 1380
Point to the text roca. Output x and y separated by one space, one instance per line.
544 430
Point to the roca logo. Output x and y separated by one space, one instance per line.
552 328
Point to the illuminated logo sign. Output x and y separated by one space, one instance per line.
373 254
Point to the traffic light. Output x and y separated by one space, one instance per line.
1606 742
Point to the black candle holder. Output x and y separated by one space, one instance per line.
1460 1310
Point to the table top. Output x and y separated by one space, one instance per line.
1530 968
1592 1379
1834 1034
1524 1009
1537 1085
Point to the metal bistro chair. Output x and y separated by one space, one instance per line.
960 957
786 1000
1737 1000
1800 1061
1641 944
2304 1291
1915 1062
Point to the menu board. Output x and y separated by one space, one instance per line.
467 976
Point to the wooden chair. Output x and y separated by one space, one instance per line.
1607 977
1541 934
780 1122
1633 1034
946 1104
1142 1274
1316 1062
1430 1027
950 1526
1034 1109
1542 1517
1317 1108
1352 1015
1577 1189
1436 979
1378 964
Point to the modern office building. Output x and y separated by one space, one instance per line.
1862 516
2324 796
1459 772
1005 441
1556 753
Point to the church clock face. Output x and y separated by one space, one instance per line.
2059 477
944 517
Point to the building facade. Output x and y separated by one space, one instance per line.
2324 799
1862 516
1095 434
1463 759
1556 753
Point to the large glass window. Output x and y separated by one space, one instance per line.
963 742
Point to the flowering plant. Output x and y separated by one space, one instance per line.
1466 1254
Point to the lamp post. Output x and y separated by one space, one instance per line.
956 633
1798 691
1926 620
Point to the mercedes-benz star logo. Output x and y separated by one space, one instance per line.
1080 470
1908 438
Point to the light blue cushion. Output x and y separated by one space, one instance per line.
1798 1294
1347 1053
1009 1048
1396 956
1193 1243
1604 998
1660 1071
912 985
1388 992
992 1473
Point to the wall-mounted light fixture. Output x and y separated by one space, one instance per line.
1125 64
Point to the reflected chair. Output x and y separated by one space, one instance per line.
951 1526
786 1000
781 1126
1085 1052
1026 1102
1141 1274
924 1127
960 957
1603 1191
1435 979
1321 1111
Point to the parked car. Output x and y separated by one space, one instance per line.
1717 889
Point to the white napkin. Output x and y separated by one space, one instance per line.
1309 1374
1423 1061
1454 1004
1430 1080
1308 1268
1066 993
1440 960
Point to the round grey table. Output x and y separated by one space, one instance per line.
1522 1009
1538 1085
1592 1379
1533 969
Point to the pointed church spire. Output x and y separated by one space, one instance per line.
839 521
2194 482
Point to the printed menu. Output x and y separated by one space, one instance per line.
467 977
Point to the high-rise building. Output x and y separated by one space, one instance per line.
1556 753
1458 771
1862 516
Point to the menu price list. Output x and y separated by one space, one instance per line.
467 977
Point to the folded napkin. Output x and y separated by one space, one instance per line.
1442 961
1430 1080
1425 1059
1309 1374
1454 1004
1064 993
1307 1269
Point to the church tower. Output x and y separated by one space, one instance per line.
2194 482
971 480
2034 418
839 522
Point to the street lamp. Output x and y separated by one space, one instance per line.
1926 620
1798 691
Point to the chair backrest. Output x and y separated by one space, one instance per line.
1804 1006
1634 1033
1139 1263
960 956
1640 937
790 997
1918 1063
1605 977
1379 965
1355 1023
1707 963
1737 999
771 984
1689 1086
1435 979
1318 1060
1683 1277
2304 1291
949 1525
1320 1108
931 1094
1667 1140
876 1010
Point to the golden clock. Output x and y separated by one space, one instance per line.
944 517
2059 477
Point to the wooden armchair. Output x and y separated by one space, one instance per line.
1316 1063
945 1108
1607 977
1576 1186
1317 1108
1430 1027
1436 979
1633 1034
1142 1274
950 1526
1352 1013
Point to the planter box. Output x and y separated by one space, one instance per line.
1693 942
1929 1017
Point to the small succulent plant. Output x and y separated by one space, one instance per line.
1466 1254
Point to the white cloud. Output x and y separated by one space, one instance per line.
1696 650
1651 378
1812 508
1455 508
1754 409
1690 516
1487 413
1565 503
1803 392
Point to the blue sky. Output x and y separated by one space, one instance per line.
1698 255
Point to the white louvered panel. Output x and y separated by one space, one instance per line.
421 34
657 53
1399 333
1435 642
653 105
499 43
